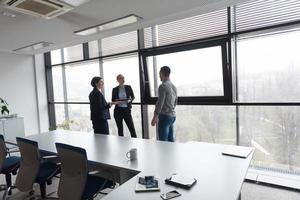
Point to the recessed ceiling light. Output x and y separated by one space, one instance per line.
130 19
8 14
33 47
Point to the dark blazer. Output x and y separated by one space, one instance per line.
129 94
98 105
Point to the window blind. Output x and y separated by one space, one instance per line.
119 43
188 29
264 13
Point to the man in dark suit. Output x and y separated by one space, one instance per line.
99 107
123 94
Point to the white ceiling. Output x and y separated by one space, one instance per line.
24 30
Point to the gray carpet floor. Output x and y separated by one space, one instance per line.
250 191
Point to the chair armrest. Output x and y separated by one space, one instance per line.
49 157
94 172
13 151
11 143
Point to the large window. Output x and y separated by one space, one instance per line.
194 72
137 121
129 67
199 71
78 78
79 118
273 131
216 124
269 68
57 74
268 71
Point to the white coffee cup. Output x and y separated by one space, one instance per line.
132 154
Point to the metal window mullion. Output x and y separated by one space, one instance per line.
235 72
231 63
101 70
144 107
50 93
65 92
85 49
155 44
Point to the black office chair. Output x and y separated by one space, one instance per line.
8 166
75 177
33 168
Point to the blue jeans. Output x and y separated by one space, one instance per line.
165 128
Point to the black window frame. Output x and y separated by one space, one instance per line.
199 44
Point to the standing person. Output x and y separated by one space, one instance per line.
164 113
99 107
125 96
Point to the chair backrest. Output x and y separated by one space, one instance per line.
2 151
74 170
29 165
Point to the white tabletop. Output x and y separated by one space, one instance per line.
218 177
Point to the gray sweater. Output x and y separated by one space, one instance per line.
167 99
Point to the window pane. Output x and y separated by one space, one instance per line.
93 49
273 131
78 78
56 57
73 53
152 130
194 73
129 67
57 84
269 68
59 115
79 115
137 121
215 124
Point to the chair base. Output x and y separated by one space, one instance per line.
7 191
32 196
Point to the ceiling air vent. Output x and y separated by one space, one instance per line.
40 8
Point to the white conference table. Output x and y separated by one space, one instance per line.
218 177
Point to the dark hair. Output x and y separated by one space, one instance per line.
120 76
95 80
165 70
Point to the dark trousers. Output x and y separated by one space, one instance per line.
100 126
124 113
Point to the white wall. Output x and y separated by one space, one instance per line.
18 87
42 101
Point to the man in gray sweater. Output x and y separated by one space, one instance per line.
164 113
